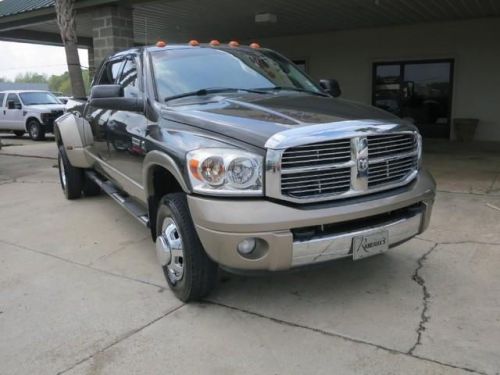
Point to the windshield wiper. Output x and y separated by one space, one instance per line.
286 88
204 92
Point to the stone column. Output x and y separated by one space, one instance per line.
112 30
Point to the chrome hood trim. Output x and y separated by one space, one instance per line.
335 130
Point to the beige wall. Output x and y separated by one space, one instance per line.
348 56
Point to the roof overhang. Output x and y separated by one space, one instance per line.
181 20
27 26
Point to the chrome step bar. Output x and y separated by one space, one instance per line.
128 203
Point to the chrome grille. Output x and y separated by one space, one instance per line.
310 183
312 169
317 154
345 167
392 158
390 144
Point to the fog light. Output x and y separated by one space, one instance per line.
246 246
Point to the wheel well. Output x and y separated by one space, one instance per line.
57 136
162 182
28 120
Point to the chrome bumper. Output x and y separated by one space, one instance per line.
340 245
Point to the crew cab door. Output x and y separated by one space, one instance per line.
126 130
98 117
13 117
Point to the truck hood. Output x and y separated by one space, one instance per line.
254 118
46 107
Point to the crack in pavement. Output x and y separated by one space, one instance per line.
340 336
122 338
22 247
459 242
20 181
485 194
424 316
121 248
17 181
28 156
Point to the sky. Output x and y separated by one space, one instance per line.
18 58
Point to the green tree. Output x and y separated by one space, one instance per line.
30 77
62 83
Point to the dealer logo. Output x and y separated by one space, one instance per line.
362 164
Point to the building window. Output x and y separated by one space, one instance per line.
420 91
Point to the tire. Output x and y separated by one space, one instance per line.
35 130
199 272
19 133
71 178
90 188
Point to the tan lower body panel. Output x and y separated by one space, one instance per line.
222 224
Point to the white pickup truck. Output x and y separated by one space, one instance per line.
29 111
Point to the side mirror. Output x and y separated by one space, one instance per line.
11 104
111 97
331 86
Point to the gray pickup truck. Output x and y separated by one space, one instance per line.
233 157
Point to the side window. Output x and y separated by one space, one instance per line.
110 72
15 99
2 96
128 80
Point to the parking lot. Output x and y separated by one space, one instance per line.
81 291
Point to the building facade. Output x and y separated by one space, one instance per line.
431 61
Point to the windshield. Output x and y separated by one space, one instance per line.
32 98
188 70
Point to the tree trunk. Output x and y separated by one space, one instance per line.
66 20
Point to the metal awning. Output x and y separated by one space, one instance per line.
181 20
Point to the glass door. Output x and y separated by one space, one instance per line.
419 91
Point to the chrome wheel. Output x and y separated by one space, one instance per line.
62 173
170 251
34 131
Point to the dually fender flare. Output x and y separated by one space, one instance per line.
68 131
159 159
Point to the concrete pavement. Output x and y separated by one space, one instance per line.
81 292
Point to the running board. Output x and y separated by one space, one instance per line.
129 204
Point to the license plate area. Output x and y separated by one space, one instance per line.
370 244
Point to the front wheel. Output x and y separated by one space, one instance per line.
190 273
36 131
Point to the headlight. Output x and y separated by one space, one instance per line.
221 171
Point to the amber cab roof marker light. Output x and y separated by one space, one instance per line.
161 43
254 45
194 43
233 43
214 43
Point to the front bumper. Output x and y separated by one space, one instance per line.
221 224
